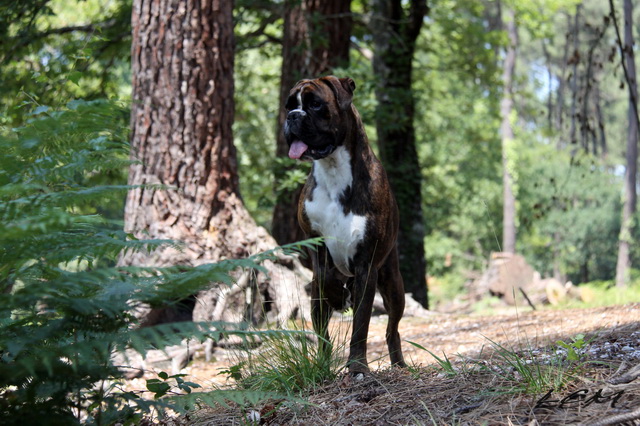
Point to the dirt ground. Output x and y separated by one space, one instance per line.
603 385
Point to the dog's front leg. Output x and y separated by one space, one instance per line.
320 316
364 290
320 309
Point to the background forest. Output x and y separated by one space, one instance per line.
505 126
569 122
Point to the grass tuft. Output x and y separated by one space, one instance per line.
288 363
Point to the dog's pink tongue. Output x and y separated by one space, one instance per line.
297 149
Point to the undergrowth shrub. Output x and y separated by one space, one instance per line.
64 303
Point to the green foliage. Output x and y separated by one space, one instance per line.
58 306
568 203
160 387
570 213
445 288
64 305
604 293
257 106
293 176
59 49
456 79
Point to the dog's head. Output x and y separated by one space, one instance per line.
316 114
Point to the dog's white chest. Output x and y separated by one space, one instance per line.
342 232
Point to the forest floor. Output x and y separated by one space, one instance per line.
490 359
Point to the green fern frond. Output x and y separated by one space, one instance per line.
65 306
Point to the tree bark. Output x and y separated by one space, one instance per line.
316 39
506 129
630 179
181 118
395 31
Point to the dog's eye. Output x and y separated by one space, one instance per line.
315 104
291 104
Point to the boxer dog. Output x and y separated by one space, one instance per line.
347 200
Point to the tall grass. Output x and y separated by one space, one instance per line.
289 362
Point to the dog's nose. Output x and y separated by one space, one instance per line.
296 114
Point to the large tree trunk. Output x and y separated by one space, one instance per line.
394 34
506 108
316 39
630 177
181 118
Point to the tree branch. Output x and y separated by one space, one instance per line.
634 101
419 9
24 40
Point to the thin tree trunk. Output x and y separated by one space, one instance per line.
547 58
575 60
630 178
181 119
586 130
506 129
602 137
394 34
562 82
316 39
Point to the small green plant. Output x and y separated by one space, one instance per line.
526 374
162 386
234 371
574 348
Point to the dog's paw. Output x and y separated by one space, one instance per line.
358 370
350 379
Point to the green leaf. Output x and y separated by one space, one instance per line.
158 387
74 77
41 109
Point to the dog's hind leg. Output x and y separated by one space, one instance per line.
391 289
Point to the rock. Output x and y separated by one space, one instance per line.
510 277
507 274
412 308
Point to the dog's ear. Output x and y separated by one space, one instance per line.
348 85
343 89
